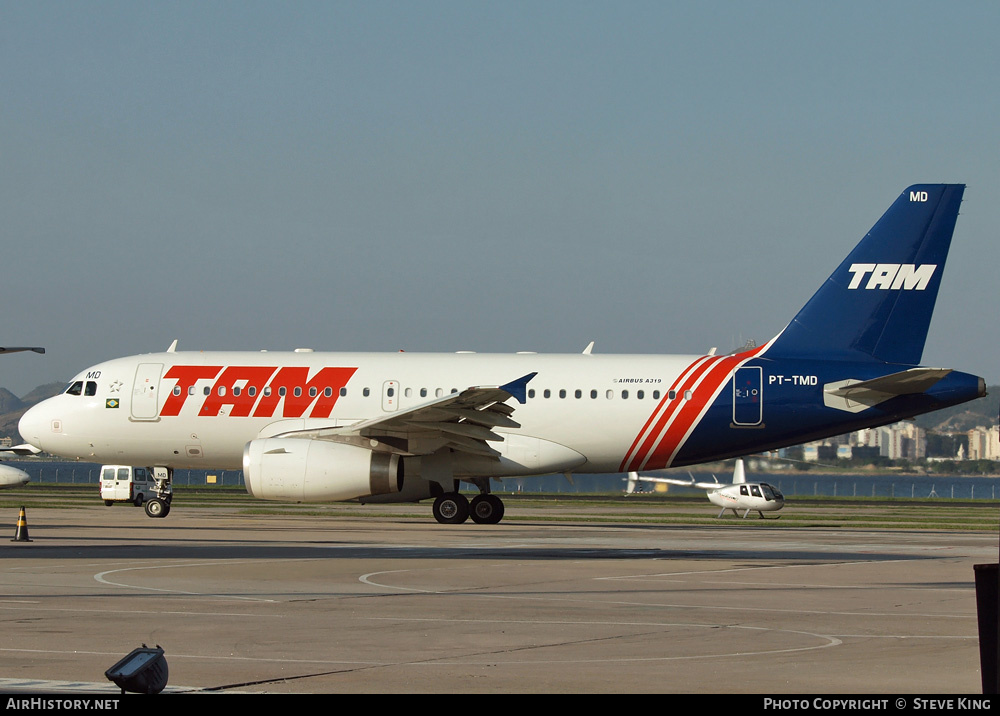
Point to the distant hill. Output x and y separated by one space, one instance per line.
9 403
12 407
982 411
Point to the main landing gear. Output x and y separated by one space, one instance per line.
453 508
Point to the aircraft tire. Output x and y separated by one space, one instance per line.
451 508
486 509
155 508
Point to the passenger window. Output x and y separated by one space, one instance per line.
688 394
423 392
562 393
313 392
297 392
343 392
672 394
546 393
76 388
366 392
656 395
578 394
593 394
743 490
327 392
610 394
236 390
754 490
176 390
624 394
639 395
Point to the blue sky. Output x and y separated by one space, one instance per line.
658 177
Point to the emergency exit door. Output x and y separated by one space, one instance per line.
748 409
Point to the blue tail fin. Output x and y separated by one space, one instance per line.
878 303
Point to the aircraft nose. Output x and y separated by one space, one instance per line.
35 424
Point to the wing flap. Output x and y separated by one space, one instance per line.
462 421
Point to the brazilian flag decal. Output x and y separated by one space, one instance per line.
111 403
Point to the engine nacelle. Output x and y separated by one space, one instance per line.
299 470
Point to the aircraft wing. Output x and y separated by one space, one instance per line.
463 421
21 348
854 395
23 449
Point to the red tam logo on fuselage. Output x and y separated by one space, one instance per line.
257 390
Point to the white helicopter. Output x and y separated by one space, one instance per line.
759 497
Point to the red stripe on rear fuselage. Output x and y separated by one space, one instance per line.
673 421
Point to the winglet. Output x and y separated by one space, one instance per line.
519 388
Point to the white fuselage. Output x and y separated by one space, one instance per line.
12 477
199 409
752 496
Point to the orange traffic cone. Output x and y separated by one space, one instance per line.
21 534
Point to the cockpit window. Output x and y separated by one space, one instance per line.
75 388
91 388
771 492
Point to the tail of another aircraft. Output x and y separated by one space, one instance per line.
877 305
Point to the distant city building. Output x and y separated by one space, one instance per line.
984 443
899 441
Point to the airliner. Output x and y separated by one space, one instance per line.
759 497
310 426
11 476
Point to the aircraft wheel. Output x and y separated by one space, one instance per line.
486 509
451 509
155 508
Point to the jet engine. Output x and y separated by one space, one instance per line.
299 470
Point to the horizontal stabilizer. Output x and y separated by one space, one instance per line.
857 395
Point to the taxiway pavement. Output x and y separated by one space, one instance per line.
340 604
